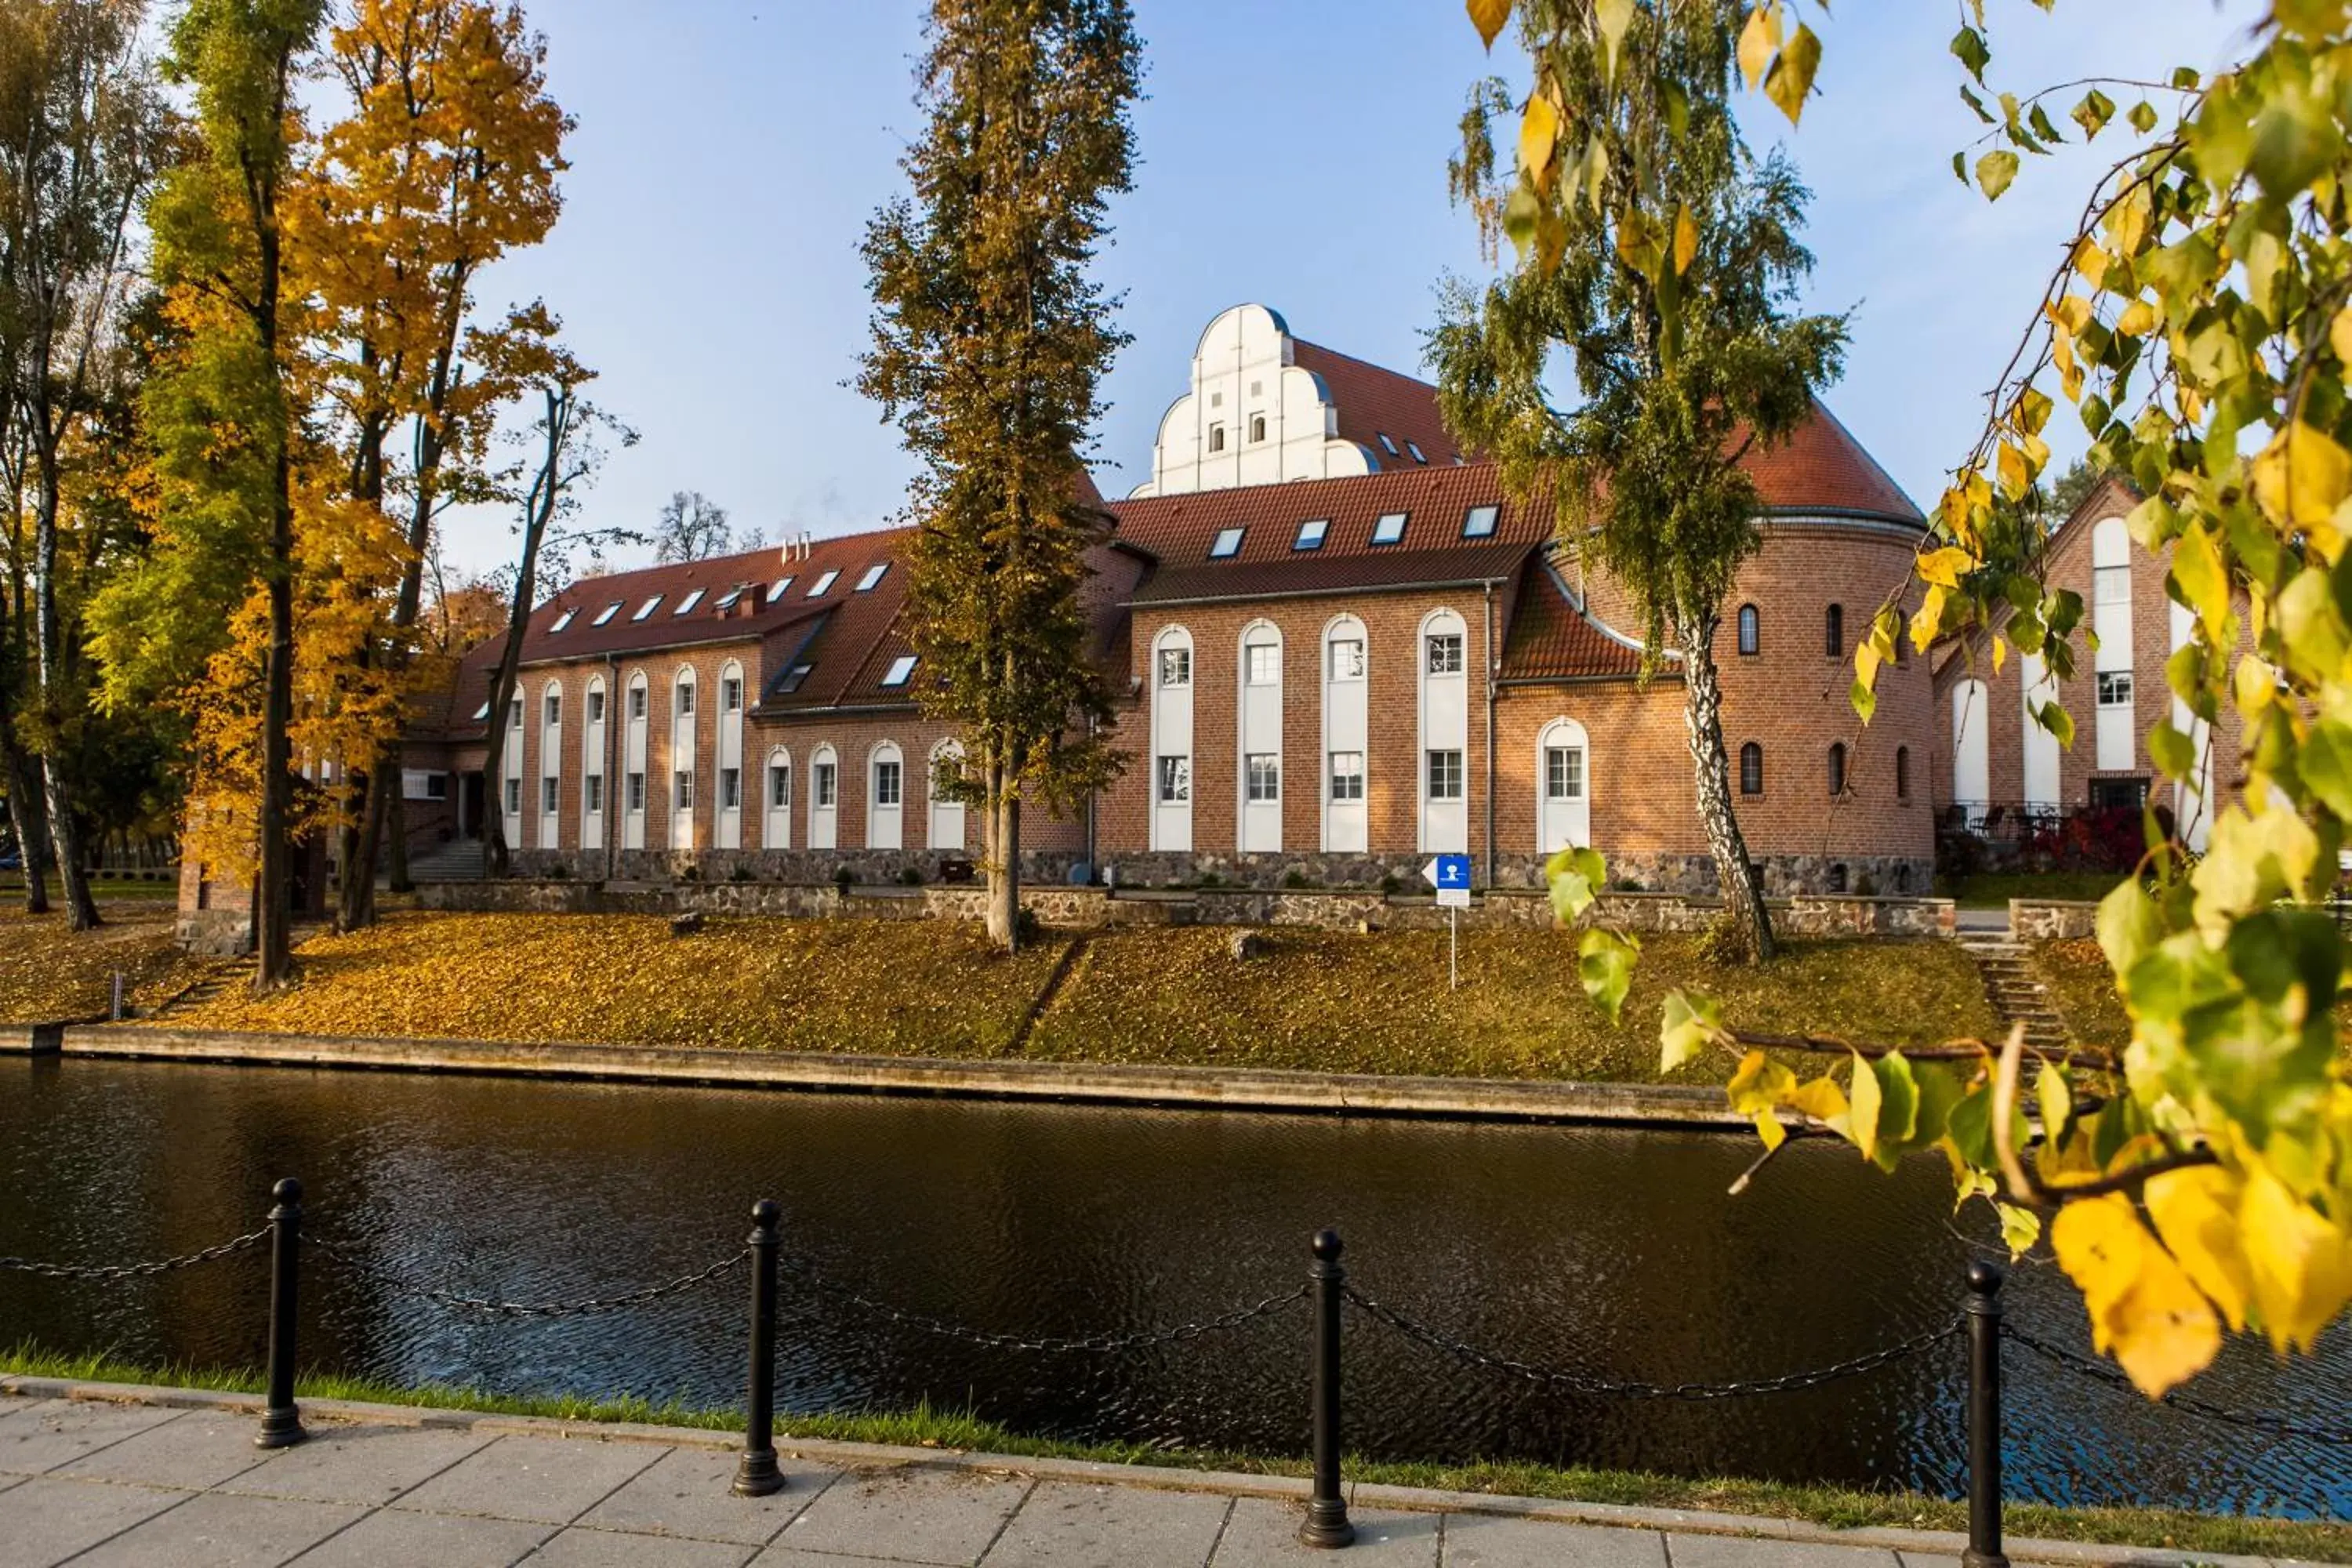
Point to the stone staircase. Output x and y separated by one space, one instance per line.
2016 995
458 860
220 975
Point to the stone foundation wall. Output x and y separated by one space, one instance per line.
1090 908
866 867
2052 920
214 934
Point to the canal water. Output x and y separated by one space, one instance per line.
1612 1253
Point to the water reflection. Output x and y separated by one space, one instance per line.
1611 1251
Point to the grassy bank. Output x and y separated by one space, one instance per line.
2081 991
47 971
1993 889
929 1428
1337 1001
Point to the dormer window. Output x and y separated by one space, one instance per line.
606 613
795 677
687 604
873 575
1390 529
727 600
482 712
819 589
647 608
563 620
1311 533
776 594
1478 522
1415 449
1386 445
1227 543
900 668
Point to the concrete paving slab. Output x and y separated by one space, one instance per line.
786 1557
913 1514
44 1521
1264 1532
685 1492
214 1530
370 1465
1740 1552
1483 1541
577 1547
59 1431
549 1481
442 1540
202 1448
1925 1560
1084 1527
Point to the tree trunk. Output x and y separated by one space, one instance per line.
1002 851
273 899
355 905
1743 891
395 837
32 827
65 834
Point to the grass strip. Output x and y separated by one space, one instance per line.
925 1427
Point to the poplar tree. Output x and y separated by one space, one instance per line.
1661 254
989 342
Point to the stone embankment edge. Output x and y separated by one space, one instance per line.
1155 1477
1254 1089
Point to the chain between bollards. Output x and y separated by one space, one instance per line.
1327 1511
1981 1313
756 1475
281 1421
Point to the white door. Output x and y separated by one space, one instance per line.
825 799
1563 788
947 815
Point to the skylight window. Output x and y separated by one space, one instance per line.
873 575
688 603
900 668
1414 447
606 613
823 582
647 608
1389 445
482 712
1478 522
563 620
1388 529
777 593
727 600
793 677
1228 542
1311 533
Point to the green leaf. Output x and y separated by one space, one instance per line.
1759 1084
1689 1022
1862 1120
1865 700
2054 718
1968 1128
1604 966
1968 48
1898 1109
2019 1229
1973 101
2325 763
2142 117
1519 218
2040 121
1995 170
2094 112
2174 753
2129 924
2056 1098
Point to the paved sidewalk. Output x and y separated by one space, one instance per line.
172 1479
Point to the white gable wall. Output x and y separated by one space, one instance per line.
1241 373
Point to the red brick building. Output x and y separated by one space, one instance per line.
1338 645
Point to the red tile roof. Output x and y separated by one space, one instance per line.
1549 639
1374 401
1180 530
1821 467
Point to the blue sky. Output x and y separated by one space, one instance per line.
1292 152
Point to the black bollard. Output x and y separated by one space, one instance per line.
756 1475
1327 1512
281 1420
1983 1316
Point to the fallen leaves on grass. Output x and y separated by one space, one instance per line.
49 974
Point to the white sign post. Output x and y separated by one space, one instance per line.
1450 875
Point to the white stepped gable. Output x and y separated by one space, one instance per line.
1252 417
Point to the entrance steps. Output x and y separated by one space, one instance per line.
2015 992
458 860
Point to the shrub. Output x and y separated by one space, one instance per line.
1294 877
739 872
1389 885
912 877
844 879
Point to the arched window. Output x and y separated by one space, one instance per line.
1444 733
1347 730
1171 740
1903 773
1833 632
778 828
1749 638
1260 725
1837 768
947 826
682 761
886 794
1751 769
